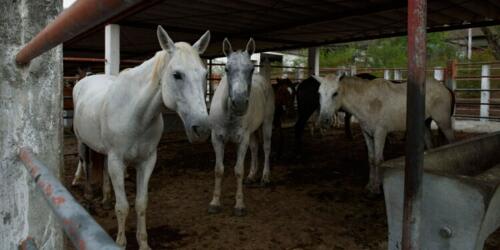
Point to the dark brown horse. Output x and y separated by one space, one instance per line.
284 98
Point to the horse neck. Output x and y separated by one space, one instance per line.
352 97
144 87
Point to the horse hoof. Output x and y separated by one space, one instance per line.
240 212
249 182
107 205
265 183
212 209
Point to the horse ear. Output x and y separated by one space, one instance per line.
250 47
202 43
165 42
226 47
317 78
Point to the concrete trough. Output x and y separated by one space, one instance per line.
461 195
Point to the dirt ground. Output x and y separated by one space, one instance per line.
316 203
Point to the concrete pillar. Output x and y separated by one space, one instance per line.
439 74
485 95
387 74
112 49
313 60
398 75
353 70
31 106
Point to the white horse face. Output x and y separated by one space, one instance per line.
183 83
239 72
329 98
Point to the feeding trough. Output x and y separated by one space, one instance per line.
461 195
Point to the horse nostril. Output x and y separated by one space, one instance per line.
195 130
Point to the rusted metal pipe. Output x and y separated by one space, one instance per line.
81 16
78 225
415 116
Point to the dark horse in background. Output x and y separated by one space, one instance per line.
284 99
308 102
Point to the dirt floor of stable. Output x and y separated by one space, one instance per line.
318 202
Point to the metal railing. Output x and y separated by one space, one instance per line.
77 223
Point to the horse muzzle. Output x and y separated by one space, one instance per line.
239 106
198 132
326 122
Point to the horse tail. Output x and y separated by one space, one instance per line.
266 70
453 100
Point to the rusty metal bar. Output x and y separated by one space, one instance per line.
415 116
78 225
81 16
99 60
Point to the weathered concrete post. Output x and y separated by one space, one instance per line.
439 73
485 95
398 75
313 61
387 74
30 115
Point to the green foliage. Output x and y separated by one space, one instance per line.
388 52
333 57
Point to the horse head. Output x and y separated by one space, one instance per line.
239 72
183 83
329 98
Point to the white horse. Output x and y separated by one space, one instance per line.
242 104
120 116
380 107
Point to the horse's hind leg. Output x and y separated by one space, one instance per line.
254 149
347 125
81 170
267 130
445 126
107 203
428 134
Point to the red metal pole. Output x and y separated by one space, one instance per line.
81 16
415 116
79 226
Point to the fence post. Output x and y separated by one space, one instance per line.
397 75
485 95
387 74
438 74
353 70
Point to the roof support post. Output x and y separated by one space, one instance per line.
415 115
313 60
112 49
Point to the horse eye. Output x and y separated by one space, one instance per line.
225 69
335 94
177 76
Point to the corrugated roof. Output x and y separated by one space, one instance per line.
275 25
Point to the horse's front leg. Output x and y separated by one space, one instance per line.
254 149
239 208
371 159
144 170
218 144
379 143
116 169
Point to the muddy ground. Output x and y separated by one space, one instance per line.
316 203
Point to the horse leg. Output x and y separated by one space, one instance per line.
116 170
378 143
106 188
347 125
144 170
428 134
267 130
445 126
218 144
254 149
239 208
299 129
77 180
371 158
